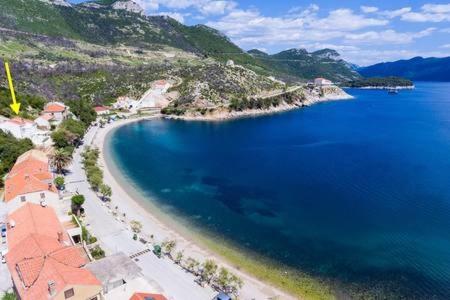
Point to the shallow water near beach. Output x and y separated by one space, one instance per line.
351 191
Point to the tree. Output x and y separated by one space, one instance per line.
179 257
9 296
95 179
136 226
222 279
192 265
60 160
63 138
60 182
106 191
168 246
209 270
77 203
235 285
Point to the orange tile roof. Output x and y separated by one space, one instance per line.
101 108
20 121
30 174
146 296
54 107
36 256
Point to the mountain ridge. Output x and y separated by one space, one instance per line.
417 68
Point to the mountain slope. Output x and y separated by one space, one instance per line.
120 22
302 64
417 68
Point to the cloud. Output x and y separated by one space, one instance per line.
447 46
174 15
369 9
388 36
428 13
395 13
205 7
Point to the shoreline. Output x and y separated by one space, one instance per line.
223 114
163 226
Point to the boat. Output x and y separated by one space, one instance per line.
393 91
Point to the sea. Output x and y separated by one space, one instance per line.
353 192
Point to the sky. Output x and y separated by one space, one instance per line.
363 32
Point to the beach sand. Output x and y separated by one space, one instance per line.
130 201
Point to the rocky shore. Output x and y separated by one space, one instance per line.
309 97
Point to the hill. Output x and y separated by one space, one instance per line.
417 68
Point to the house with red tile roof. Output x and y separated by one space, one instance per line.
147 296
57 110
22 128
42 260
102 110
30 180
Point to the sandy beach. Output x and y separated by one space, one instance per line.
131 202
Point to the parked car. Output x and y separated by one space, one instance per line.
3 229
222 296
157 250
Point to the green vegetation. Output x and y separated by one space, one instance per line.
93 172
30 105
10 149
60 160
77 203
9 296
68 135
84 111
59 182
380 82
97 252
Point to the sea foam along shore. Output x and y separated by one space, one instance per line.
162 226
224 113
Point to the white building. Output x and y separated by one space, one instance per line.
57 110
322 82
125 103
22 129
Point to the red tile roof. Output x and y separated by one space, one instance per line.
37 256
30 174
54 107
146 296
20 121
101 108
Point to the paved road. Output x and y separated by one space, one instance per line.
115 237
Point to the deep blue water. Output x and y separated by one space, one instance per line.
350 191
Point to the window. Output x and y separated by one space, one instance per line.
69 293
23 199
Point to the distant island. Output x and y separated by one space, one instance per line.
380 83
417 69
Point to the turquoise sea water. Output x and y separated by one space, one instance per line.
356 192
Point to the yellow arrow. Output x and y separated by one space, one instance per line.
14 106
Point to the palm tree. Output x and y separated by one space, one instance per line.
192 265
60 160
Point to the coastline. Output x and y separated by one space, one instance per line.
409 87
162 226
223 113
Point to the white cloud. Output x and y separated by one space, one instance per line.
395 13
206 7
369 9
388 36
217 7
174 15
436 8
447 46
